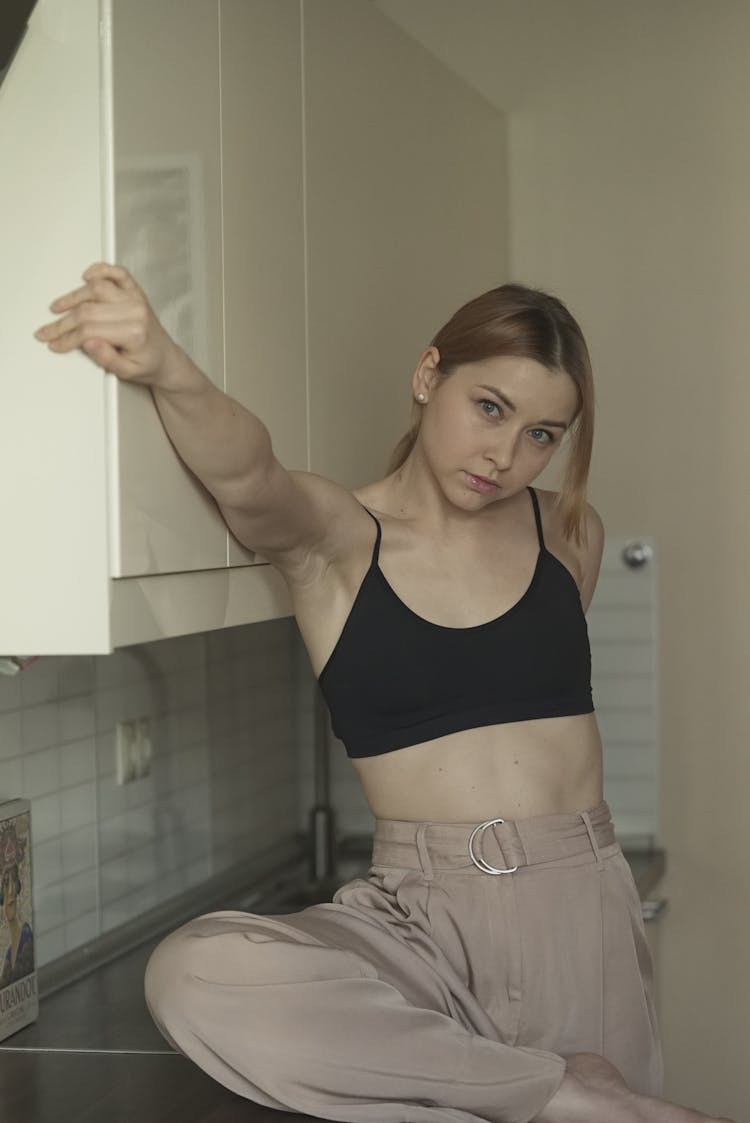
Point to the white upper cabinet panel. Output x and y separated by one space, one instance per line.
54 562
167 232
263 208
302 258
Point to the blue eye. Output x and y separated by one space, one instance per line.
546 433
487 406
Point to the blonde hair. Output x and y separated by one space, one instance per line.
525 323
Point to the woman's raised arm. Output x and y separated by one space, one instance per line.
288 517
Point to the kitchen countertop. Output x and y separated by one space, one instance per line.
95 1056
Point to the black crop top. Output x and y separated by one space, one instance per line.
395 679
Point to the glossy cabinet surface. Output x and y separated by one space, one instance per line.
263 218
208 204
54 563
294 183
167 231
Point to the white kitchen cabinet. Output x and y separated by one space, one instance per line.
117 155
164 224
305 194
208 158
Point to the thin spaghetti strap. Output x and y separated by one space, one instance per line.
538 517
376 547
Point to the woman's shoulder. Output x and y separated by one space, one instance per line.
582 558
550 510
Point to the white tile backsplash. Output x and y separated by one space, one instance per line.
77 719
225 729
80 895
40 725
77 762
77 807
78 850
76 675
41 772
46 820
10 726
82 929
43 685
49 945
11 776
10 697
48 866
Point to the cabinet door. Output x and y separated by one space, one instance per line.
167 231
53 501
263 210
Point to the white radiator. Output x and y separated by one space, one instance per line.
623 629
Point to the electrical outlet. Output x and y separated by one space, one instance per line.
133 749
143 747
125 739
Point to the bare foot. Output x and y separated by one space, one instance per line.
593 1090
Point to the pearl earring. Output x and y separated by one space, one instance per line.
421 398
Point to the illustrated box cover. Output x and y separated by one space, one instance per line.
19 1002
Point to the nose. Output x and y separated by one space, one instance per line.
501 453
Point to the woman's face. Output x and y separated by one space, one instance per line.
490 428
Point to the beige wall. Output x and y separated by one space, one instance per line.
401 229
630 197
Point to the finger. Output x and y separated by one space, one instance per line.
101 270
118 278
91 313
123 334
98 289
62 303
110 359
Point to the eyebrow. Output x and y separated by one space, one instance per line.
506 401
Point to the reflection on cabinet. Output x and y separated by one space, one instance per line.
304 194
166 221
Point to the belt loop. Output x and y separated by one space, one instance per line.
424 857
592 838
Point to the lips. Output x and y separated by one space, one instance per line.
480 483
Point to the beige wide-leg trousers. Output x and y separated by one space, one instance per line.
433 990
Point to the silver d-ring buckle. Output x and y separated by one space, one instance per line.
480 862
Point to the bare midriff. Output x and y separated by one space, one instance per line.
512 771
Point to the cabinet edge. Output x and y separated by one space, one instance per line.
143 609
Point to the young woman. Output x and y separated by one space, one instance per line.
493 965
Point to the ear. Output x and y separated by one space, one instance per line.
426 376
